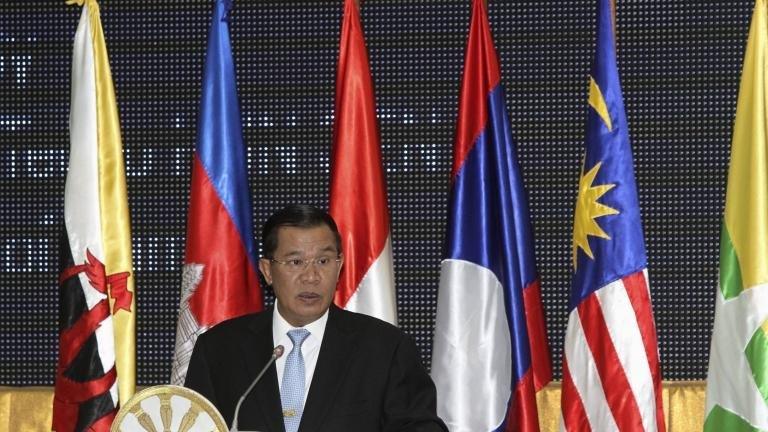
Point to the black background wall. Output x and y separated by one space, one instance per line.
680 65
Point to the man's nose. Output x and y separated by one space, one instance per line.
310 273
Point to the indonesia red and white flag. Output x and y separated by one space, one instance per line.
611 372
358 196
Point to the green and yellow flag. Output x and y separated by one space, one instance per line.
737 381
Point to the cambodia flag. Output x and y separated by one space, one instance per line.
358 193
490 350
219 280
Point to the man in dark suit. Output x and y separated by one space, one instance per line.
348 371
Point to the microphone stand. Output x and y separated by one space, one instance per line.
276 354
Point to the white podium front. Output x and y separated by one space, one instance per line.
168 408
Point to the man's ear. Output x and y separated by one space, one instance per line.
341 264
266 270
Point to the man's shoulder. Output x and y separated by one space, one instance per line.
376 340
235 326
366 323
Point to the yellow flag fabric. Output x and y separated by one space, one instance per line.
114 208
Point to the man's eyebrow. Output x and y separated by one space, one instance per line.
329 248
292 253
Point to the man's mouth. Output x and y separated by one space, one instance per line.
309 296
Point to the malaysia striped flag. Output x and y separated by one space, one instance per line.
611 373
490 351
219 280
358 195
96 371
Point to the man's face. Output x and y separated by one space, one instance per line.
304 292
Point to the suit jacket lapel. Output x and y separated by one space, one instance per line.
267 392
332 363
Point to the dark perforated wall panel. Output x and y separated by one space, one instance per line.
680 64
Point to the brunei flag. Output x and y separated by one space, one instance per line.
490 351
97 369
737 382
358 194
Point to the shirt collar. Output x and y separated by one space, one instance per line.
280 326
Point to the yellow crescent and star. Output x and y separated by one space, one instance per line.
588 209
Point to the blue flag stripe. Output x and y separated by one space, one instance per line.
489 223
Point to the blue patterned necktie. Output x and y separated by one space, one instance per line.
292 391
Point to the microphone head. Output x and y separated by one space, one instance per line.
278 351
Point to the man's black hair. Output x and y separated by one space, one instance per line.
295 215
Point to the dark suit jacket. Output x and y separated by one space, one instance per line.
368 377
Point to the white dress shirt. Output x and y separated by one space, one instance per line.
309 349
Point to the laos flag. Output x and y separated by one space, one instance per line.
490 350
219 280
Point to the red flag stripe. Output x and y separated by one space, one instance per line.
480 77
639 296
64 414
104 422
524 415
230 287
537 335
618 393
77 391
574 415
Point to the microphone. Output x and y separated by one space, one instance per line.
276 354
